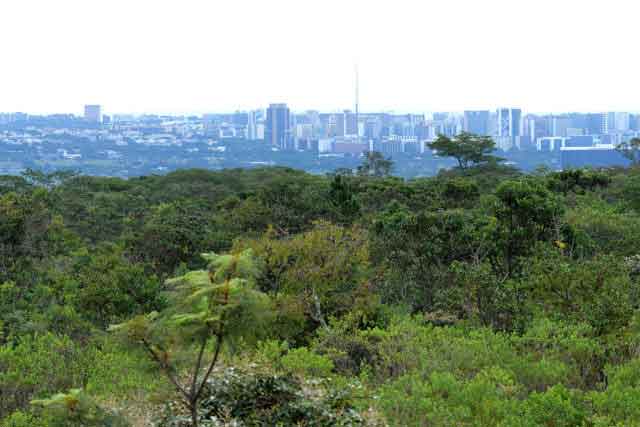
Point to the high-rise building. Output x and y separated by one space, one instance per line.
337 125
508 122
597 123
277 126
260 130
252 125
530 126
619 121
93 113
476 122
351 123
560 125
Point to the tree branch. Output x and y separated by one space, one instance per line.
211 365
166 370
194 381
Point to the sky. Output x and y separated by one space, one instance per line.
197 56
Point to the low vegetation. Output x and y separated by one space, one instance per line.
481 297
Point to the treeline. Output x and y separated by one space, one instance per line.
479 297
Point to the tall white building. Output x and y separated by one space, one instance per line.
252 126
508 121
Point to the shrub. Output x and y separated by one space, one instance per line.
349 350
256 399
558 406
76 409
301 361
23 419
442 400
37 366
620 402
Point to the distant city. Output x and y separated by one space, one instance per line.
131 145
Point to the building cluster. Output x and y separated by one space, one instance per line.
347 132
583 136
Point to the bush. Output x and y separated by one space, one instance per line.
35 367
76 409
23 419
620 402
568 351
558 407
349 349
441 400
117 372
257 399
301 361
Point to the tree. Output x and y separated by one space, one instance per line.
342 200
460 192
631 150
374 164
577 180
468 149
526 212
172 233
597 291
213 306
414 251
324 269
105 288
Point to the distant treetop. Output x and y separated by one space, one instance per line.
468 149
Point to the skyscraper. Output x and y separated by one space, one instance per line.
337 123
350 123
277 126
93 113
559 125
252 126
597 123
508 122
476 122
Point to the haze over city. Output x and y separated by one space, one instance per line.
414 56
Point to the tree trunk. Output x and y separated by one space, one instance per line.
317 310
194 415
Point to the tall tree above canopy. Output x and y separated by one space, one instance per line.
374 164
468 149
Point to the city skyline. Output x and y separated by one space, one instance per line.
318 141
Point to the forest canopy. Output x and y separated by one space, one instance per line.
263 297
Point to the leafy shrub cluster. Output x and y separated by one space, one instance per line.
248 399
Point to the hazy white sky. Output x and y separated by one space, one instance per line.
220 55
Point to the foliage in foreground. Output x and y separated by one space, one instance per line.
480 297
249 399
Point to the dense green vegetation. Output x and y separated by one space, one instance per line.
264 297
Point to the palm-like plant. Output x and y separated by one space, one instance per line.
215 305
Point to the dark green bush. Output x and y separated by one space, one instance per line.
258 399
